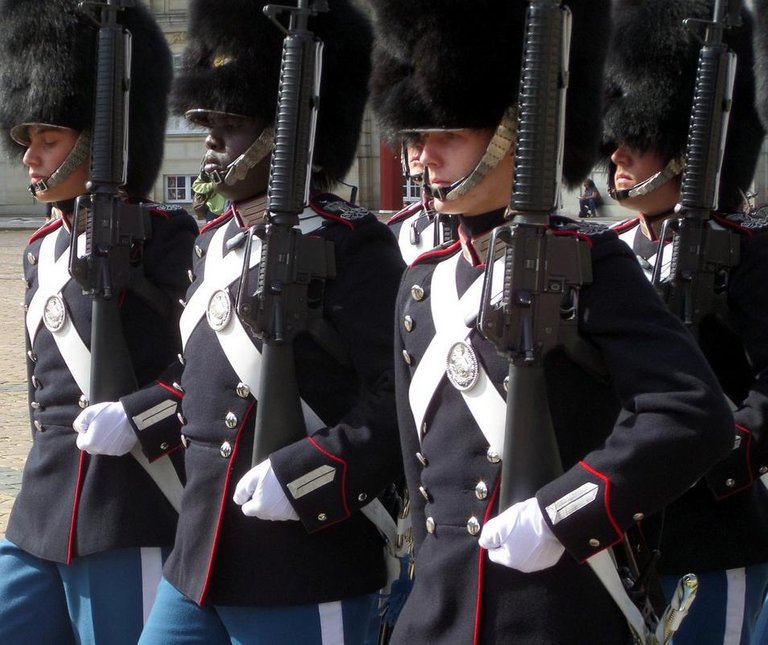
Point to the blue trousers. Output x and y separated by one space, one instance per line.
726 609
100 599
175 619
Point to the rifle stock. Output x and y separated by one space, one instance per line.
293 267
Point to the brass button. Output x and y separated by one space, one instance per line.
322 517
408 323
230 420
190 275
199 251
182 302
226 449
39 426
177 386
32 356
407 357
184 441
362 497
594 542
493 456
473 525
181 359
35 405
31 258
481 490
425 493
243 391
36 382
763 470
182 419
730 482
417 292
505 384
83 402
430 523
638 517
422 459
164 445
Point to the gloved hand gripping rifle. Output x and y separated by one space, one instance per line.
112 226
293 267
703 252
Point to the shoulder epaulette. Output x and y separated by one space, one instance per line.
46 228
333 207
747 223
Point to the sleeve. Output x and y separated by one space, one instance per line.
349 464
674 423
748 302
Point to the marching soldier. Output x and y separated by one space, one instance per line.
719 528
629 442
285 551
88 532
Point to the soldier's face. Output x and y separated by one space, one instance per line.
632 167
48 147
449 155
228 137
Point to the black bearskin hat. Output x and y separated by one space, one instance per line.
47 75
232 64
456 64
650 79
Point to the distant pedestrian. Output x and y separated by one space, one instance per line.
589 200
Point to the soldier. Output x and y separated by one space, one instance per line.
629 442
87 534
719 528
417 226
282 552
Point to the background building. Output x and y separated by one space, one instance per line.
375 179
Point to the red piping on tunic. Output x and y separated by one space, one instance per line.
76 506
480 567
222 503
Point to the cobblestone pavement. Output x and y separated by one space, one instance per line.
15 436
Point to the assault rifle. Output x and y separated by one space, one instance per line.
702 252
112 225
293 268
536 308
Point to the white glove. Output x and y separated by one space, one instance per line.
260 495
519 538
104 429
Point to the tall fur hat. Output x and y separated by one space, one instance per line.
650 79
456 64
47 75
232 64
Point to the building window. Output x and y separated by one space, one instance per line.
411 192
178 188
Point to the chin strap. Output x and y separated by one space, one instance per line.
238 169
76 156
499 145
672 169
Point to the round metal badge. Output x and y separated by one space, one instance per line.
462 366
54 313
219 310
